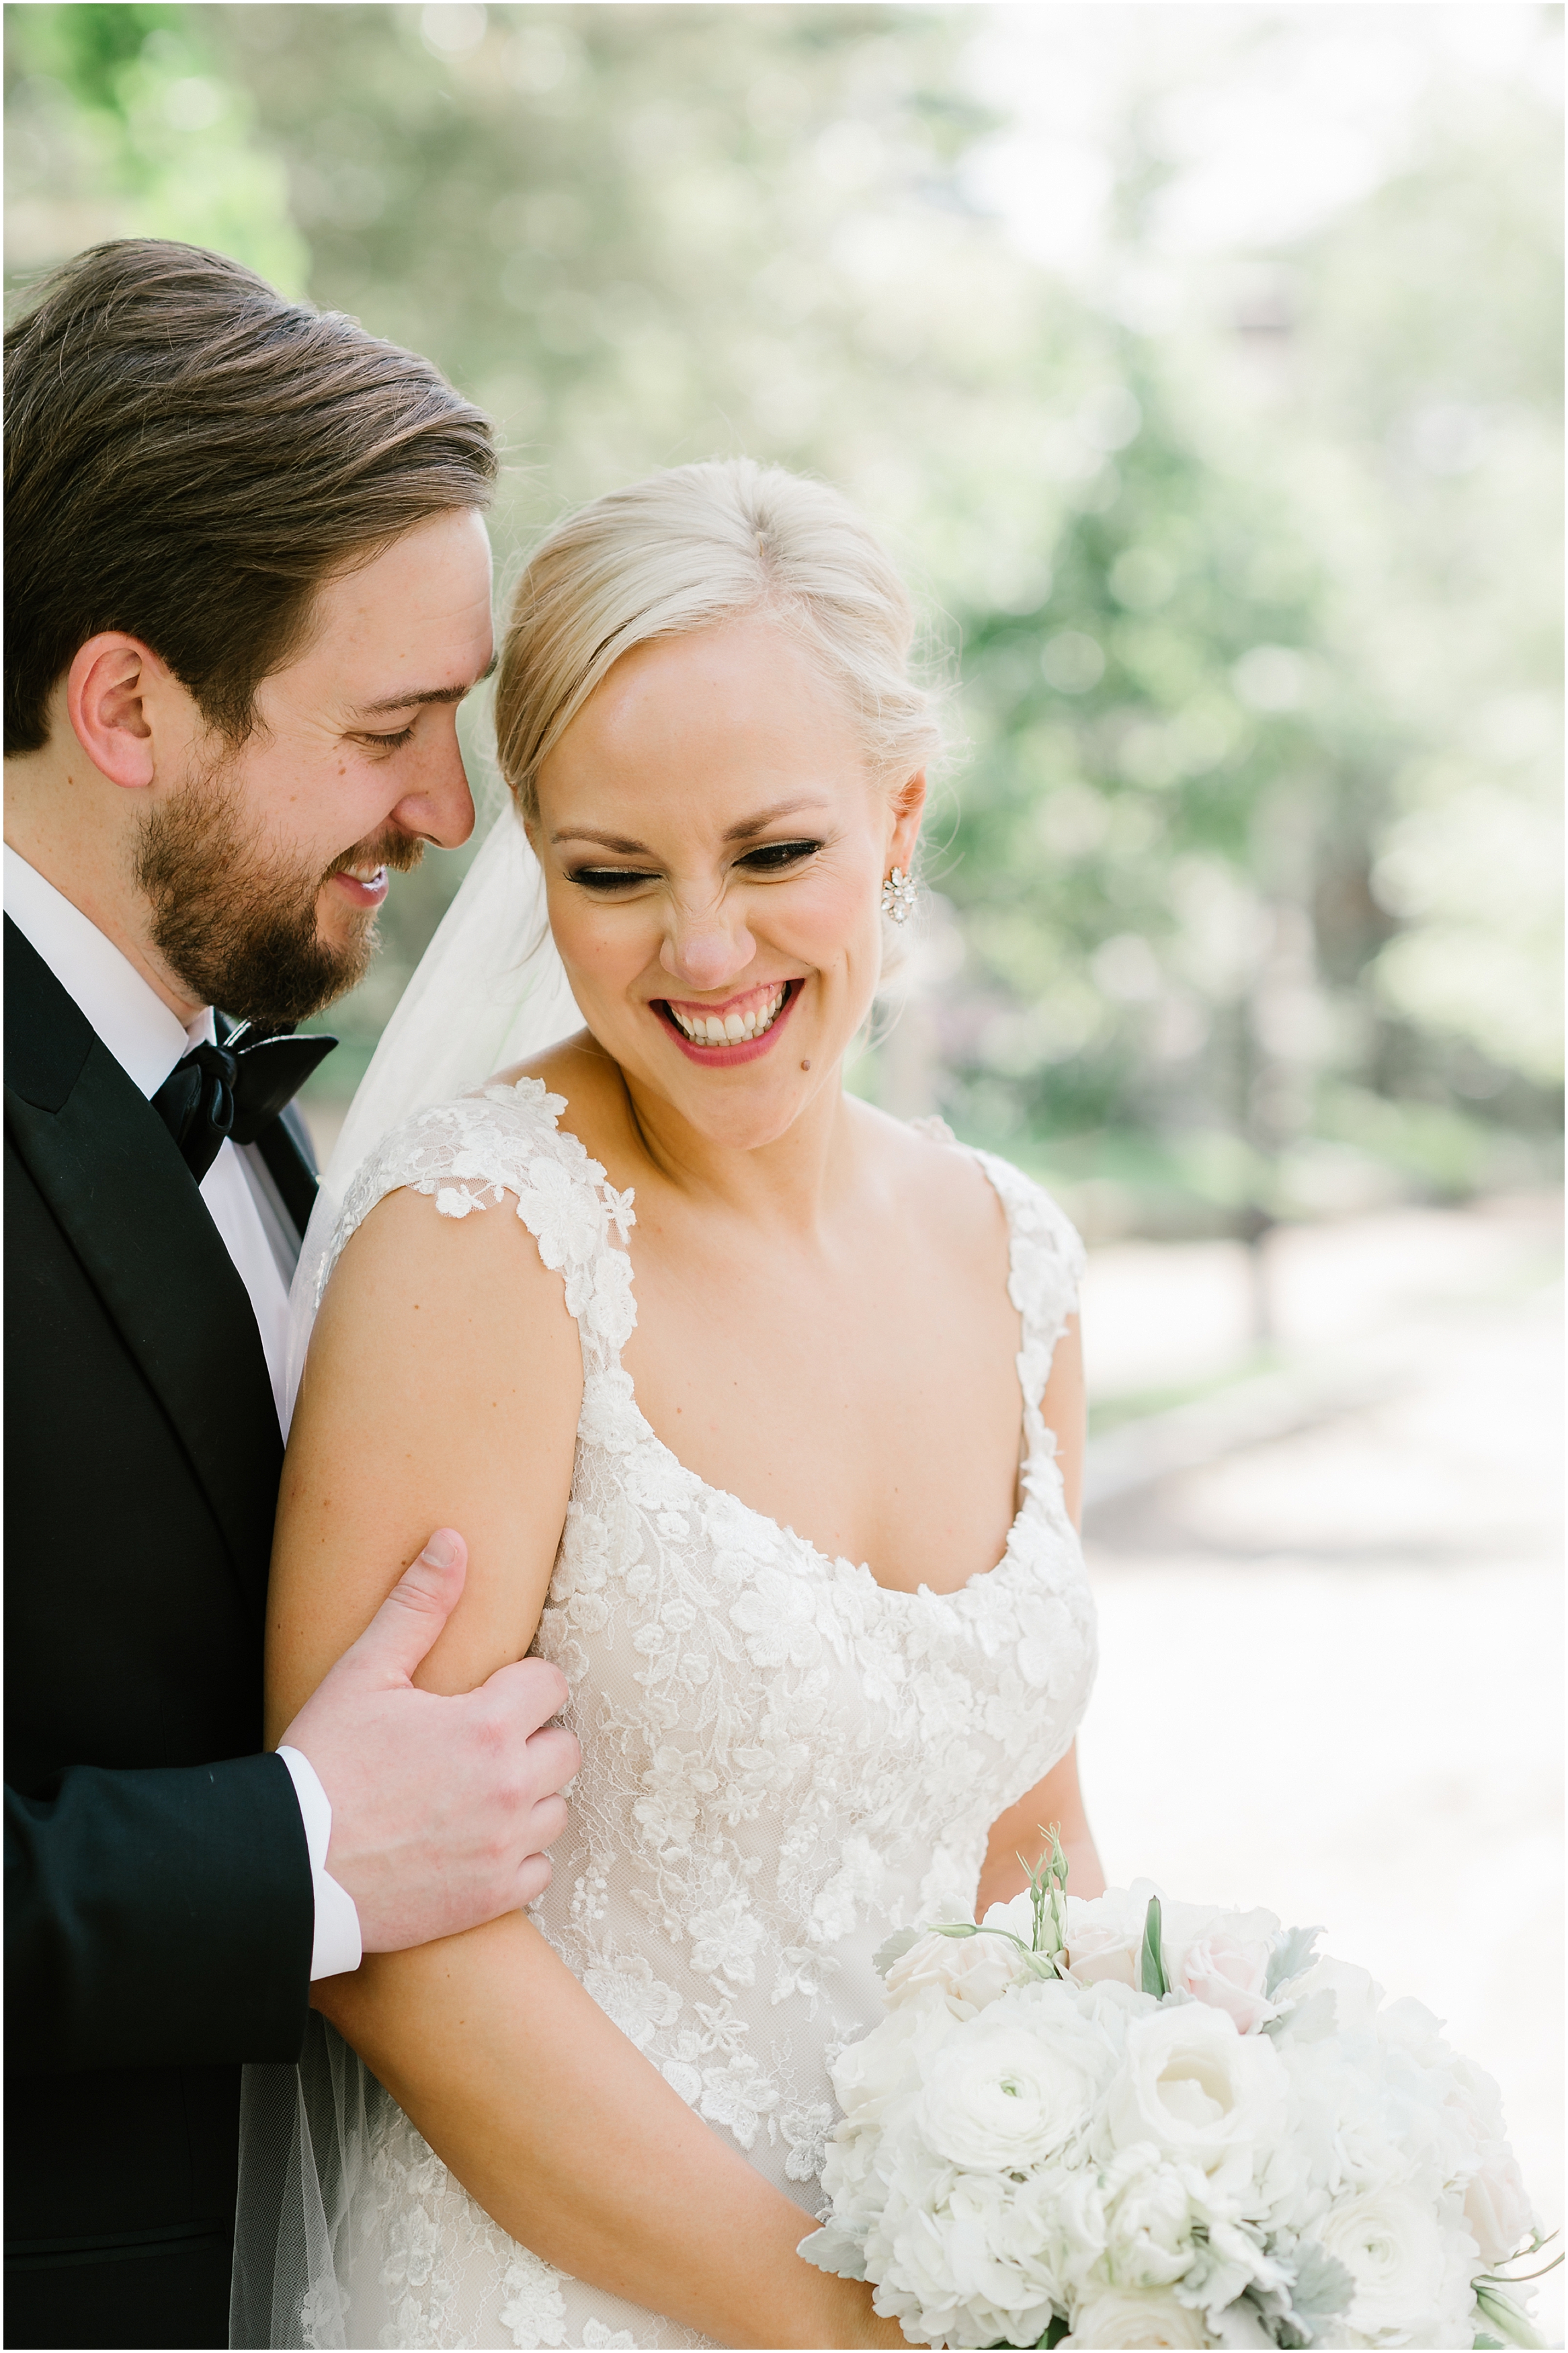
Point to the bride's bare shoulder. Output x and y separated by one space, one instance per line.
939 1183
576 1067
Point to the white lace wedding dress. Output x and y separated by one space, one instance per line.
782 1760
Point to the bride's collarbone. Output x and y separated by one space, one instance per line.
878 1416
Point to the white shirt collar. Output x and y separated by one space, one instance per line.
145 1038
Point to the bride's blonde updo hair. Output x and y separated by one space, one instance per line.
683 551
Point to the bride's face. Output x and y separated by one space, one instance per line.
714 845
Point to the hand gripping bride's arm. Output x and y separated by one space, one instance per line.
1058 1798
443 1387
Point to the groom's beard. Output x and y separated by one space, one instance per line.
235 923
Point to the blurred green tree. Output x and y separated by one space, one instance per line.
1243 898
121 120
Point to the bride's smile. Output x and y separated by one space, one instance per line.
737 1029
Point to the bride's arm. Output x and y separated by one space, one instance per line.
443 1388
1058 1798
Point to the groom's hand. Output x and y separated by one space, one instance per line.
441 1808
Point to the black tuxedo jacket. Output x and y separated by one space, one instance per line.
159 1907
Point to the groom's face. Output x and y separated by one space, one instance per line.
263 864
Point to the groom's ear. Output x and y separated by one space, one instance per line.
110 688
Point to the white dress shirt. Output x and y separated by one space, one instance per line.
146 1039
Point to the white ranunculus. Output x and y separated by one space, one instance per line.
1149 2221
1134 2316
1011 2087
971 1970
1198 2090
1390 2244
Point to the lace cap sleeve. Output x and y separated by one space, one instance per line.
500 1140
1047 1261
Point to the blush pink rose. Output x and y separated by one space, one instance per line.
1227 1968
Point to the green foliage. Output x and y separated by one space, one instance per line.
123 121
1247 897
1151 1977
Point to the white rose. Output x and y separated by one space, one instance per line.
1104 1936
1134 2316
1496 2208
1391 2247
1227 1967
1198 2090
970 1970
1012 2086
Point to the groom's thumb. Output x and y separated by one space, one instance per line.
405 1626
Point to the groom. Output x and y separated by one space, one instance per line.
248 585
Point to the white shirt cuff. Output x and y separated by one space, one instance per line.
337 1945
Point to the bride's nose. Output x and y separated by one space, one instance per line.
704 950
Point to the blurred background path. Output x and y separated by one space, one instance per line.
1331 1651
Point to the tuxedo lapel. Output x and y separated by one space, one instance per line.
285 1146
131 1209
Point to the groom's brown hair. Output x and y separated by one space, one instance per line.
189 456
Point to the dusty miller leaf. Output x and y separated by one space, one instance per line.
1292 1953
893 1948
1320 2291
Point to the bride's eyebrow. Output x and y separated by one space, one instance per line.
739 832
606 840
767 816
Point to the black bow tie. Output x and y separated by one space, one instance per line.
216 1093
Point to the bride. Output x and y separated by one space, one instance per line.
761 1415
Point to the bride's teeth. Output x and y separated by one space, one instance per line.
730 1029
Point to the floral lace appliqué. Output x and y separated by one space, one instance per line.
781 1758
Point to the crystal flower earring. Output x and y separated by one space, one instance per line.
899 896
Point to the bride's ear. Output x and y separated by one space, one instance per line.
909 806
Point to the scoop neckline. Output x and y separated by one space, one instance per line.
781 1528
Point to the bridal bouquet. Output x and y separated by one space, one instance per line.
1139 2123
